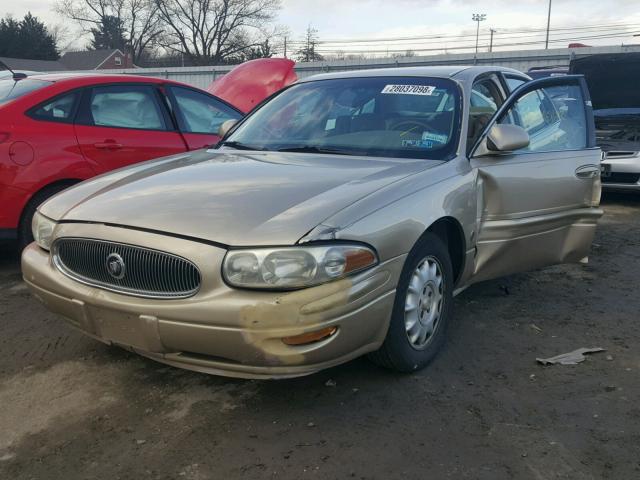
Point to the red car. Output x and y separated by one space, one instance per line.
59 129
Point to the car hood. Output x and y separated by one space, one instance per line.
230 197
250 83
612 79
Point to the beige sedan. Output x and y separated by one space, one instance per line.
337 220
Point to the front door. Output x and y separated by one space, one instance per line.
199 115
538 206
119 125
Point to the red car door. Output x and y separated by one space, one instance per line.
122 124
199 115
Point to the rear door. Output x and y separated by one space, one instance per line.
122 124
199 115
539 205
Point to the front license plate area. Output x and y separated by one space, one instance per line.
122 328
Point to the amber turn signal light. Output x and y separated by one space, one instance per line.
359 259
310 337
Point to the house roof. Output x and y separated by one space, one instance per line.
33 65
87 60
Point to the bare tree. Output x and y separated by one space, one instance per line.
215 31
308 52
62 36
269 44
138 20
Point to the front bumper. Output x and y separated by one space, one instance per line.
220 330
625 171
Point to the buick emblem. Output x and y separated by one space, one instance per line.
116 266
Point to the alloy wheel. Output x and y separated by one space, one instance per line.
423 302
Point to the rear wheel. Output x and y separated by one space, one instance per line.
421 310
25 236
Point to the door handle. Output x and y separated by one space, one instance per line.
106 145
588 171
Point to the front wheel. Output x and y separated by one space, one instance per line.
421 310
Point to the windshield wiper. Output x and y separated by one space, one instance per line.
239 146
314 149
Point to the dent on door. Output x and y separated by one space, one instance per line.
533 213
538 206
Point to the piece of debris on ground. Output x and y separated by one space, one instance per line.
571 358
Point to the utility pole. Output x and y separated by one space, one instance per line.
491 41
546 43
306 52
285 46
478 17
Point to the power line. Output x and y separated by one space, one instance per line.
461 39
470 46
502 31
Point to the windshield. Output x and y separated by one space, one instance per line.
405 117
10 89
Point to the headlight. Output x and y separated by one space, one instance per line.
42 229
294 267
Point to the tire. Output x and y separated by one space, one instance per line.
25 236
403 350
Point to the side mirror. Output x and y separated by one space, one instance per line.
506 138
225 127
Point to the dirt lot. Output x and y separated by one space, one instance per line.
73 408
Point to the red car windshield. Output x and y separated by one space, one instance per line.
10 89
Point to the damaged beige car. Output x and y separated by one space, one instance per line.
336 220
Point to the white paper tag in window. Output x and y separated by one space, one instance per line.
435 137
409 89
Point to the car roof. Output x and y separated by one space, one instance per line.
442 71
98 77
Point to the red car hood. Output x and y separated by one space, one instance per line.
250 83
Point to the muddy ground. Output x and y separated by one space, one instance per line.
71 408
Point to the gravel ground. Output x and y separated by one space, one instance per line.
73 408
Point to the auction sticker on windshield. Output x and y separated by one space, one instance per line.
409 89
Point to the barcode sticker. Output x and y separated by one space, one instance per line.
408 89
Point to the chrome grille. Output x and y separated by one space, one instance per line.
126 268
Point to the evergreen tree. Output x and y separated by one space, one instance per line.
308 52
28 38
108 35
9 37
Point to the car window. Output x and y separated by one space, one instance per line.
10 89
126 106
59 109
530 111
554 118
514 82
401 117
484 103
200 112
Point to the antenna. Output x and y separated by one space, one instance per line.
16 76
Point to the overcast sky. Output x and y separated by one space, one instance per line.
339 19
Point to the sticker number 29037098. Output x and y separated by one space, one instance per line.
409 89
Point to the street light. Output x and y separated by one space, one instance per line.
546 43
478 17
